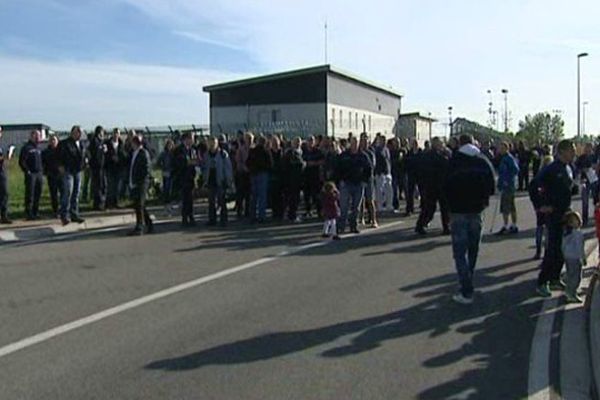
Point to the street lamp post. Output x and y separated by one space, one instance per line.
505 93
579 57
450 118
585 103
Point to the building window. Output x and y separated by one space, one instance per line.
275 115
350 120
356 120
370 129
341 119
333 116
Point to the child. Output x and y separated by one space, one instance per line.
536 191
573 248
331 210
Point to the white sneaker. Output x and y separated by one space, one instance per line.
460 299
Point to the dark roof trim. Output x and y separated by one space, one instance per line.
298 72
15 127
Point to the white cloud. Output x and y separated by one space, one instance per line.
64 93
201 39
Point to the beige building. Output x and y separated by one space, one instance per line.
415 126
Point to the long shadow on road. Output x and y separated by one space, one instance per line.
498 329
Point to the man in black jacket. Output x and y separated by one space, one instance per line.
139 180
433 167
97 150
468 186
71 155
115 163
352 166
186 161
51 163
292 166
30 161
556 181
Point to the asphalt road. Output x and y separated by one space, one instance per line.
369 317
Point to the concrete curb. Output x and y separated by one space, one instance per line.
46 231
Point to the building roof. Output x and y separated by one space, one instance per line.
418 116
299 72
22 127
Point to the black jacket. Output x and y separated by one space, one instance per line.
432 169
292 166
115 160
30 159
97 154
469 183
184 174
352 167
140 170
259 160
51 161
71 158
556 185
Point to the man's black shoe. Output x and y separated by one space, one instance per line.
502 232
65 221
420 230
78 220
354 230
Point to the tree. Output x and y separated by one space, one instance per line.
542 127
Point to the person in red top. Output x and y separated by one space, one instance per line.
330 209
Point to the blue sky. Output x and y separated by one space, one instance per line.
131 62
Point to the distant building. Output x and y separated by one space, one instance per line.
481 133
17 134
415 126
318 100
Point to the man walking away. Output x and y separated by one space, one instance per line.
524 161
4 158
71 155
507 173
30 161
556 181
97 151
139 181
292 167
51 163
218 177
468 187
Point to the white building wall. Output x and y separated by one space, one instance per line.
357 121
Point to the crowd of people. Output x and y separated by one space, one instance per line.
345 182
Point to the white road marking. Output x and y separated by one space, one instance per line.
538 386
60 330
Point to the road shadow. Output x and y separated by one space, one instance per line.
499 327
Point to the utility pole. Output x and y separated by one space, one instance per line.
505 92
450 119
579 57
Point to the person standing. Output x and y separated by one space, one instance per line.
383 175
115 163
556 181
292 167
411 165
573 249
468 186
259 164
584 165
350 172
331 210
139 181
368 181
315 159
72 159
218 178
165 162
508 171
30 161
398 176
51 164
242 175
434 166
97 151
186 161
524 161
276 194
4 158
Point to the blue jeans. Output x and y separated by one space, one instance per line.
69 202
260 190
351 195
466 236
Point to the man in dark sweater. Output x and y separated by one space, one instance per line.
259 163
30 161
97 151
71 155
468 186
186 161
350 172
139 180
51 163
556 181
